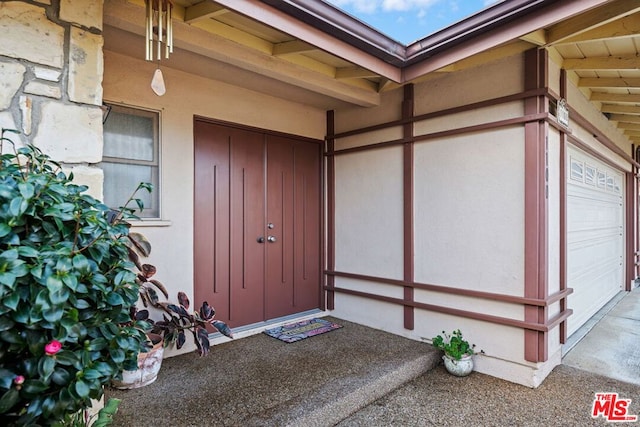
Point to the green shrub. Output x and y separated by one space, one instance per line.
66 287
454 345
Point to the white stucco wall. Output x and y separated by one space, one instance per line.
369 213
469 211
468 214
498 78
127 81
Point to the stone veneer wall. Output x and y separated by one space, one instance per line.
51 70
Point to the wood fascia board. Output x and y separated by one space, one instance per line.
628 62
269 16
504 34
129 17
591 19
604 82
204 10
615 97
628 26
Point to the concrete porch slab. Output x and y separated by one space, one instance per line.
260 381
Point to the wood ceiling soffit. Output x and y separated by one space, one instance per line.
629 126
354 73
620 109
591 19
204 10
501 36
609 82
615 97
627 26
323 41
292 47
384 83
235 35
625 118
628 62
538 38
257 58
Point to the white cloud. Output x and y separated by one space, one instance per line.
371 6
403 5
364 6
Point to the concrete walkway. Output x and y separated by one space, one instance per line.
357 376
612 345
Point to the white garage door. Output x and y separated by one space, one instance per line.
595 235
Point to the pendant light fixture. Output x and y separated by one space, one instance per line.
158 38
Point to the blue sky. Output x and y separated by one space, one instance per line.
409 20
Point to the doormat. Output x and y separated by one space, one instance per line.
298 331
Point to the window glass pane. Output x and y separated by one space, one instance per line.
120 180
129 136
130 153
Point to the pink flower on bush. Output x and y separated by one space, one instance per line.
53 347
18 380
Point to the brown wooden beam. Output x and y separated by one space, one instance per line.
563 211
533 327
535 199
331 208
407 178
449 290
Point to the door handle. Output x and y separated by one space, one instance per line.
260 239
272 239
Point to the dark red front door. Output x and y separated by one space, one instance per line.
257 223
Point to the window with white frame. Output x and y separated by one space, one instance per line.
130 156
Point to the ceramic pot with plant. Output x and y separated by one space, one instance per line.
176 319
458 353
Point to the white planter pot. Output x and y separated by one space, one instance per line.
149 364
459 368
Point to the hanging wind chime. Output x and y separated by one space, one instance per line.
158 38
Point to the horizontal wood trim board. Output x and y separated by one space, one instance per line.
584 147
434 114
551 299
600 137
257 129
445 133
546 327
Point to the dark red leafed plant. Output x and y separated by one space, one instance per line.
176 321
